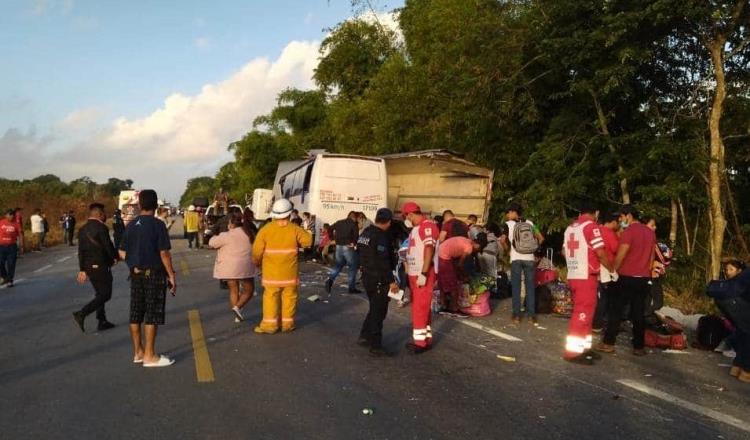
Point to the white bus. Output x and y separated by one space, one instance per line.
329 186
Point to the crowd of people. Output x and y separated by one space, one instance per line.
614 269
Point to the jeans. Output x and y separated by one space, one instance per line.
631 290
738 312
600 316
101 279
8 256
346 256
528 269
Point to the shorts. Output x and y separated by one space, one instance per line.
148 295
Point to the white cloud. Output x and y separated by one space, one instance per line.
43 7
202 43
186 136
79 120
40 7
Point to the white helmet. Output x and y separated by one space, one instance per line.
191 208
282 208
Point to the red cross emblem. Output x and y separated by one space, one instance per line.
573 245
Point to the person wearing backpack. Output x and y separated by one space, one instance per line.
523 240
732 296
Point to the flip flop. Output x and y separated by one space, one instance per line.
137 361
162 362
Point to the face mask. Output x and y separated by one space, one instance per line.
408 223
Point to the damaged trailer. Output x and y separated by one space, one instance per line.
438 180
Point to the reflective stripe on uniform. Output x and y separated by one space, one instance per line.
575 344
290 282
280 251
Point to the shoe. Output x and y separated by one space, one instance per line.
237 320
596 356
534 321
329 285
516 320
264 332
735 371
363 342
744 376
415 349
354 291
237 313
639 352
380 352
9 284
162 362
78 318
581 359
604 348
104 325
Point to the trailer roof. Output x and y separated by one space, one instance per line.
441 153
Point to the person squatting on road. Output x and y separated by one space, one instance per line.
96 256
585 254
146 249
452 275
421 270
345 234
732 297
234 262
633 263
378 260
275 250
9 232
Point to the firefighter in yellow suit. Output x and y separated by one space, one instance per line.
275 251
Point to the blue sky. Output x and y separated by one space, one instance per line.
84 81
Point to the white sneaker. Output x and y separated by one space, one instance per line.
238 314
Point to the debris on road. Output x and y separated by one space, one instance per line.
506 358
367 411
671 351
313 298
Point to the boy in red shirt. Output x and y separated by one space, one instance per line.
9 233
633 263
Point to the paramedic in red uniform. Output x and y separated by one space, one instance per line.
584 254
422 273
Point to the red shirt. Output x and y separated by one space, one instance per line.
8 232
611 242
455 247
18 220
637 262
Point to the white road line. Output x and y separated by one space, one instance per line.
710 413
43 268
493 332
64 259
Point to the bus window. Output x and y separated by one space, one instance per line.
306 182
299 176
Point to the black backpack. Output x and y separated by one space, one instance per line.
711 331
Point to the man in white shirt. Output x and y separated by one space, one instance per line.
37 229
522 247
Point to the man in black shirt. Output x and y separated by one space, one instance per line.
70 227
96 256
146 249
375 248
345 233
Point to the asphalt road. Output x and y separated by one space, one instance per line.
314 383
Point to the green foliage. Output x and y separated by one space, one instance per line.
204 186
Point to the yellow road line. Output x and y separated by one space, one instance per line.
184 267
203 369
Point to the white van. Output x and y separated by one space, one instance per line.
329 186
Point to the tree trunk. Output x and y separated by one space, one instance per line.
673 225
716 164
688 248
735 219
604 127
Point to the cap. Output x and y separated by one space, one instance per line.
411 208
384 214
